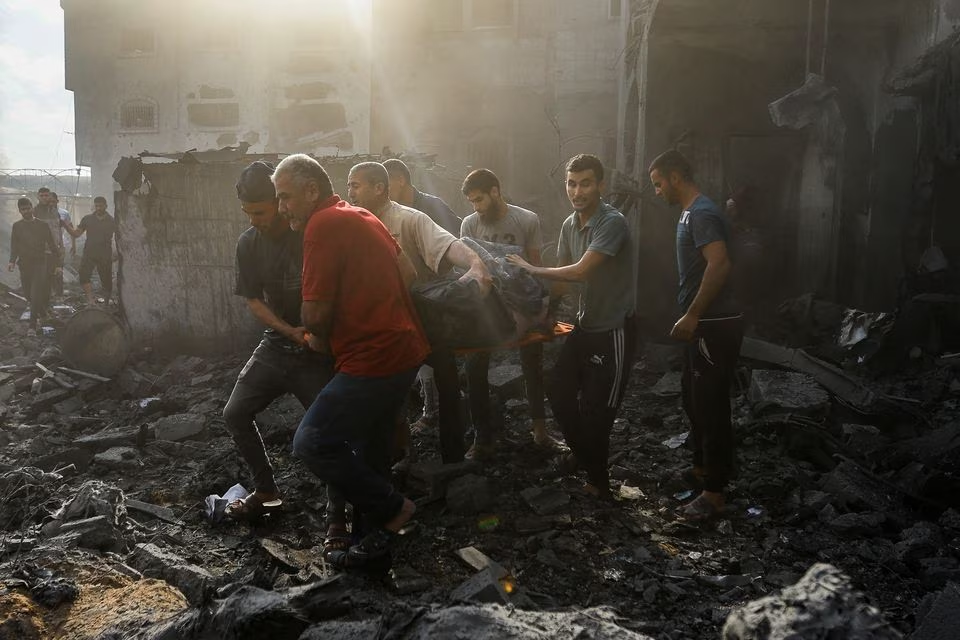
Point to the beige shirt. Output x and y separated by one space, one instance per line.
424 241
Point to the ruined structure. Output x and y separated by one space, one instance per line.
855 173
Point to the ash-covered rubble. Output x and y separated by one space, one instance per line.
845 488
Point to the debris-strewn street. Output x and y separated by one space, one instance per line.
103 535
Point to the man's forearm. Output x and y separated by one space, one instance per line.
266 316
569 273
317 318
461 255
714 277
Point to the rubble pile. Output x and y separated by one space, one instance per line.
843 517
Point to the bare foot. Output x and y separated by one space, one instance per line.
402 518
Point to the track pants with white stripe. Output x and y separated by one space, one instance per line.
708 369
585 391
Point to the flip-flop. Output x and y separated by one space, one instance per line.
699 510
337 539
250 509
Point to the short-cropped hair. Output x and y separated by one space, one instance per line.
397 167
672 161
24 203
482 180
99 199
586 162
255 184
372 172
304 169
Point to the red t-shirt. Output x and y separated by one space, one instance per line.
350 259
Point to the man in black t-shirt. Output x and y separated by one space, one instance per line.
269 268
31 248
100 228
710 325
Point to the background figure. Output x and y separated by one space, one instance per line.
100 228
66 223
47 212
32 247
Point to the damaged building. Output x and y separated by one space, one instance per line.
839 116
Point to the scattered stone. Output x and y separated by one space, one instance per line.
78 457
198 380
938 571
158 512
480 561
858 524
787 391
153 562
97 533
630 493
668 385
484 586
922 540
950 519
938 616
469 494
110 437
405 580
853 489
864 438
506 380
545 501
822 604
435 476
179 426
255 613
69 406
120 458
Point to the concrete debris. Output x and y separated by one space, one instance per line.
506 381
182 426
938 616
484 586
786 391
469 494
153 562
668 385
545 501
119 458
822 604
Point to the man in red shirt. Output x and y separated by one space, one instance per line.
357 308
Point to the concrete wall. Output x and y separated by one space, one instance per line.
219 73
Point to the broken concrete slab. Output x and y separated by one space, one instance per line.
118 458
479 561
922 540
668 384
484 586
69 406
853 489
435 476
938 616
110 437
822 604
788 391
469 494
155 510
180 426
97 533
545 501
831 378
152 561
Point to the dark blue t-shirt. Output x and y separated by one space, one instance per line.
438 211
700 225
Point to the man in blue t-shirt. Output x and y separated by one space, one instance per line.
711 327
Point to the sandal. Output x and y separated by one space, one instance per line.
251 509
699 510
337 539
372 553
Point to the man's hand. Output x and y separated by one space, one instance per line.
520 262
298 335
11 266
685 327
480 274
315 344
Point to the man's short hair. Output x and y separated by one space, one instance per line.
672 161
43 190
53 194
482 180
397 167
99 199
586 162
373 172
304 169
24 203
254 184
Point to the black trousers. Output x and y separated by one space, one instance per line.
35 282
585 391
447 379
478 366
270 373
708 369
104 267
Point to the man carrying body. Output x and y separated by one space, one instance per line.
431 250
31 245
357 308
403 192
100 228
592 370
496 221
269 267
711 327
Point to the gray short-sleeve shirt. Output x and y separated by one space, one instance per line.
519 227
608 296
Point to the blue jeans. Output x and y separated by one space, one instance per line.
351 419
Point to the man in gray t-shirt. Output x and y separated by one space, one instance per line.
496 221
591 372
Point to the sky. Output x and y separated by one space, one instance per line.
36 112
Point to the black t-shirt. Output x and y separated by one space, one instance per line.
270 269
700 225
99 243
